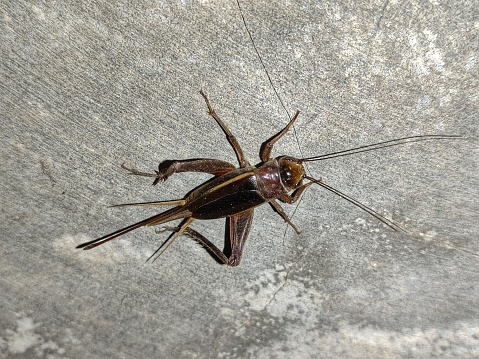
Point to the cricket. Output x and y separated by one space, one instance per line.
234 192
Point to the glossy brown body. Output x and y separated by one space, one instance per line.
232 194
238 190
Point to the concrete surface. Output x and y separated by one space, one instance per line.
88 85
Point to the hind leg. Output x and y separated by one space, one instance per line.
167 168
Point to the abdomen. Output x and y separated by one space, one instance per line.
224 196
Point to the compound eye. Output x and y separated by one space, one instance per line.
286 175
291 173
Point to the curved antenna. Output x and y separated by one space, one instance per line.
261 59
267 74
365 208
384 144
270 81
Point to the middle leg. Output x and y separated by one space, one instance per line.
229 135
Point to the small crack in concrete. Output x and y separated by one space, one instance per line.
285 281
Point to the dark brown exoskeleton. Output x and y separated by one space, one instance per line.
235 192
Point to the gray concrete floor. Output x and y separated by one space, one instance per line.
87 86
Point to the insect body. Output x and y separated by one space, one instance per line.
232 193
235 192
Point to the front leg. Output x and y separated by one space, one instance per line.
290 199
277 207
169 167
293 197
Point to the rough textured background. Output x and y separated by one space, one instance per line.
89 85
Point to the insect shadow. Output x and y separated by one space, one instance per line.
233 193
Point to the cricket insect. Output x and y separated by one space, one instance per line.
235 192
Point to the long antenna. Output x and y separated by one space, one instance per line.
272 85
384 144
372 212
267 73
261 59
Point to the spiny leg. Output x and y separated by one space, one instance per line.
293 197
239 226
168 167
169 242
277 207
229 135
213 249
290 199
267 146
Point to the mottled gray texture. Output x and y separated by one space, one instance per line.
86 86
